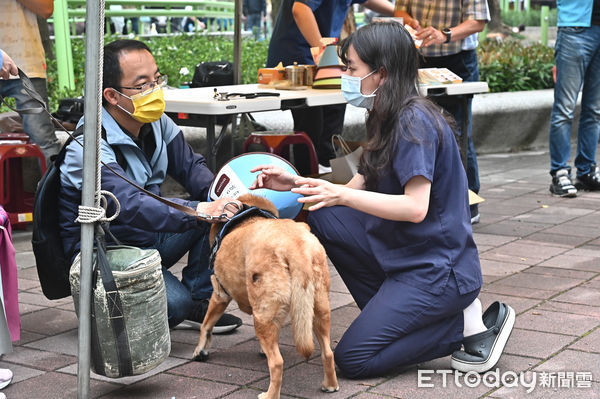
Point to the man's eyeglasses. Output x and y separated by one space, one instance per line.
161 81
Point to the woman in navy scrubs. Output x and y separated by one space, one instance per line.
399 232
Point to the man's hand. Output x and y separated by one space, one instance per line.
430 36
221 207
273 177
8 67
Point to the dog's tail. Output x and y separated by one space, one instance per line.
302 305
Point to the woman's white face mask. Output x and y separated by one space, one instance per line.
352 93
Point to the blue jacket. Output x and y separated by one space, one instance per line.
141 216
575 12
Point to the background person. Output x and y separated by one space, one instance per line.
399 232
20 37
577 59
448 29
145 145
303 24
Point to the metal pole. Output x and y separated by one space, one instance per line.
237 43
544 24
93 89
62 40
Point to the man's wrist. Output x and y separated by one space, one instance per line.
448 33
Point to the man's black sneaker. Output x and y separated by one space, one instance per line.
562 184
226 323
589 181
475 216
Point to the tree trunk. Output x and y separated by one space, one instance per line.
495 24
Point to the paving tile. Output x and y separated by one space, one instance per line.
25 284
589 343
169 386
250 393
554 214
41 360
545 392
519 304
54 386
560 272
21 373
581 295
65 343
24 260
574 262
505 291
304 380
524 251
27 336
488 279
593 284
25 308
411 384
169 363
556 322
498 267
247 356
513 228
574 229
494 240
543 282
535 343
564 240
580 309
339 299
575 361
226 374
49 321
29 273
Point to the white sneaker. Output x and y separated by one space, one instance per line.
324 169
5 378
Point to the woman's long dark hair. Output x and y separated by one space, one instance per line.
388 46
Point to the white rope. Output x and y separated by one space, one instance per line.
93 214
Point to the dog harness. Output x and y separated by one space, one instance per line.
246 212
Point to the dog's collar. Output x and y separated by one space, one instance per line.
246 212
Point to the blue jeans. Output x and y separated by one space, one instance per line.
464 64
577 59
195 283
38 126
254 20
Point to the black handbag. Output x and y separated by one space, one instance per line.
208 74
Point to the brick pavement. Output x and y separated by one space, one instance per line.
539 253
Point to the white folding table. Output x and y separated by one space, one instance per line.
199 107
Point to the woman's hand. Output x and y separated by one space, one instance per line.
222 206
273 177
321 192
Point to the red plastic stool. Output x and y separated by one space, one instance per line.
278 143
16 192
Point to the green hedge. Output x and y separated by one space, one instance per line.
511 66
533 18
172 53
506 66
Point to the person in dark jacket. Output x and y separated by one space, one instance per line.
254 11
145 145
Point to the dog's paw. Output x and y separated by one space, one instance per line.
202 356
263 396
330 389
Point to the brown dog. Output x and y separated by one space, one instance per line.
272 268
